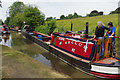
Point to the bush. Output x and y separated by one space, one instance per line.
48 28
94 14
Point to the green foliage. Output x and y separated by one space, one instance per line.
62 17
18 13
15 14
18 19
49 18
51 26
7 21
117 11
48 28
17 7
70 16
75 15
95 13
1 22
32 16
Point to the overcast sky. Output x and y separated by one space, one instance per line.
55 8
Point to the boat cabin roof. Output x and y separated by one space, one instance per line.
74 35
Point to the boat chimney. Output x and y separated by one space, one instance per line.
86 29
71 26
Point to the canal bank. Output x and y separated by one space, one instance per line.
16 64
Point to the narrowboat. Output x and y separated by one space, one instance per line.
80 51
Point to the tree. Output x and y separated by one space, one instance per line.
33 17
62 17
17 7
48 28
94 12
70 16
100 13
49 18
18 20
18 13
75 15
7 21
1 22
117 11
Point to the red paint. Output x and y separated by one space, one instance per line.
36 36
46 38
110 76
43 35
75 47
52 39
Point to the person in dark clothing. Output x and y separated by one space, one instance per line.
5 29
99 34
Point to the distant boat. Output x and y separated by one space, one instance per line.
4 30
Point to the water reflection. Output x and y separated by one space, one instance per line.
42 59
6 40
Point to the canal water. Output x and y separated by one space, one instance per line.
18 42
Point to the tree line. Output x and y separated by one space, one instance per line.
91 14
20 13
1 22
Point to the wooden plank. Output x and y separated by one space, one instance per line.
98 50
107 47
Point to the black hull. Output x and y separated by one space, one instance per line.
70 60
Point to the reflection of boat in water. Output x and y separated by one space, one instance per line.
6 40
0 38
5 32
80 51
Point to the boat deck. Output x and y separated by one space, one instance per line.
107 60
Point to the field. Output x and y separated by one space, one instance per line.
80 24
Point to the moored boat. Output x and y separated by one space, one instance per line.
4 30
80 51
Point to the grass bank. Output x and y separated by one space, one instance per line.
16 64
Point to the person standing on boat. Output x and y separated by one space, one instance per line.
99 34
112 33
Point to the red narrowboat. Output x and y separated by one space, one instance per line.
81 52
